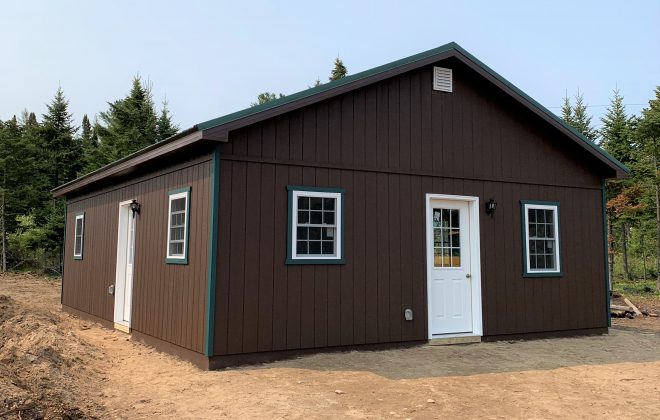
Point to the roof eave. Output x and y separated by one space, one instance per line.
168 145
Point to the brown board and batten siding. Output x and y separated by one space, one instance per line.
168 300
388 144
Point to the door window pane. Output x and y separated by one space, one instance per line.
446 238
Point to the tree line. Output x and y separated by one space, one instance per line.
39 154
633 203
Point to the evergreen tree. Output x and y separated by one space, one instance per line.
622 195
265 97
63 149
567 110
616 131
576 116
648 138
90 145
24 183
164 126
339 71
582 120
129 124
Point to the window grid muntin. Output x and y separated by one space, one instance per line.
446 238
318 236
177 229
545 218
335 227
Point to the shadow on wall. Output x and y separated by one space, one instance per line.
426 361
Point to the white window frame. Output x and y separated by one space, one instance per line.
543 271
339 251
79 255
186 223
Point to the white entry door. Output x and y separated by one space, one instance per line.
449 263
124 273
128 290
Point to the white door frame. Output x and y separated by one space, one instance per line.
475 262
120 272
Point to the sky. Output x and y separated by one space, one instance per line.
210 58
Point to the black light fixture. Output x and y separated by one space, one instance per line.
135 207
491 205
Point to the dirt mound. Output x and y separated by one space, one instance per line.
43 369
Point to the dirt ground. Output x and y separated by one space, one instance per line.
54 365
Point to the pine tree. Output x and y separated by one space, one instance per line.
90 145
63 149
265 97
576 116
164 126
129 124
567 110
24 182
582 120
648 138
623 210
616 131
339 71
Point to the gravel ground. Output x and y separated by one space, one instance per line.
91 371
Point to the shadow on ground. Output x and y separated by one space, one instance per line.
427 361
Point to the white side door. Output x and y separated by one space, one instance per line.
124 272
130 253
449 262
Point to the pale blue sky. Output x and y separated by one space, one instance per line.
211 58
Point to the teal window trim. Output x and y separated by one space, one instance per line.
184 258
524 205
340 258
81 215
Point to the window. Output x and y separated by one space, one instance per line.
541 252
315 226
446 238
78 236
177 226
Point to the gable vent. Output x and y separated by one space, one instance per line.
442 80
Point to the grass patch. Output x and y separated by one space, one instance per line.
636 287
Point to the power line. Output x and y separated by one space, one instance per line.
596 106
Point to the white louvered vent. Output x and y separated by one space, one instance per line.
442 80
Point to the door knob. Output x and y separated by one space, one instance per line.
468 275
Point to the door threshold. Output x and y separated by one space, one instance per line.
122 328
450 339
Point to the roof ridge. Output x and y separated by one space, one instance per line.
323 87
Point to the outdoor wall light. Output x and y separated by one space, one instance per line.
491 205
135 207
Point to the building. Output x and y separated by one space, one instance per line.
424 199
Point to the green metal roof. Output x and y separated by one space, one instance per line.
452 46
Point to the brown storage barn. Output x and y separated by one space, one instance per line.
424 199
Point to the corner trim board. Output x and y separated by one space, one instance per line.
608 309
213 252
